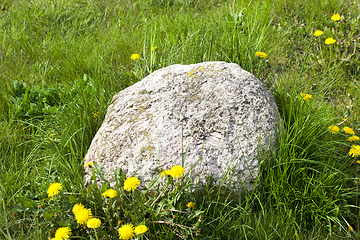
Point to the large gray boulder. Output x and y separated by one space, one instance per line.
211 117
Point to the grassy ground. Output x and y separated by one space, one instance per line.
62 61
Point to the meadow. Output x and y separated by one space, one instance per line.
62 61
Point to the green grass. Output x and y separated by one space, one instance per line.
73 56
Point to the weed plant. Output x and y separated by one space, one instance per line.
62 61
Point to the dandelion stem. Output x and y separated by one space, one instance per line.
330 58
177 185
96 235
322 58
336 28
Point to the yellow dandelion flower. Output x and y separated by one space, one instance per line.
131 183
305 97
336 17
140 229
318 33
353 138
135 56
165 173
77 207
261 54
89 164
354 151
93 223
62 233
126 231
177 171
333 129
111 193
190 205
83 215
349 130
330 41
54 189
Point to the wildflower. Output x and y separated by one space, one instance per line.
353 138
95 114
333 129
350 228
261 54
354 151
140 229
154 48
349 130
305 97
126 231
131 183
330 41
135 56
336 17
89 164
77 207
190 205
54 189
93 223
83 215
177 171
165 173
318 33
62 233
111 193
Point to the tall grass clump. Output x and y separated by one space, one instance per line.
61 62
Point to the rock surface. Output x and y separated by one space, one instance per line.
215 113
